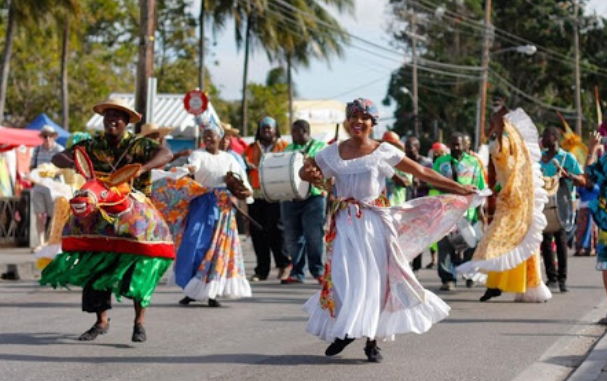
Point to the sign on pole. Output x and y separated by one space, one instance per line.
196 102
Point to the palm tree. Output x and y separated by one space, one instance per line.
308 31
293 32
29 13
19 12
64 13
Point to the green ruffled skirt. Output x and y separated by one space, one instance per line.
109 270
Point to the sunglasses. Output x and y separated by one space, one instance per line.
46 136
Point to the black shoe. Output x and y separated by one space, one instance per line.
430 266
337 346
95 331
214 303
491 293
563 287
187 300
373 352
552 285
139 335
469 283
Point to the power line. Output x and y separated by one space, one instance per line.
531 98
461 18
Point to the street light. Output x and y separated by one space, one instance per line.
523 49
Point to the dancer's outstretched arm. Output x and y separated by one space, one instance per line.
430 176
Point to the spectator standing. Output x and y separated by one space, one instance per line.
41 195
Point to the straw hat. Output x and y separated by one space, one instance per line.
117 104
151 130
229 130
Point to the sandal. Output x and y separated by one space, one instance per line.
94 331
139 335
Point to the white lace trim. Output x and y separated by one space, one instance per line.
368 162
533 239
418 319
539 294
229 288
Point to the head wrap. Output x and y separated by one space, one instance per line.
267 121
207 123
212 126
77 137
363 105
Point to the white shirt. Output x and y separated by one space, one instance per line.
210 170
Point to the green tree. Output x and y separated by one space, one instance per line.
541 83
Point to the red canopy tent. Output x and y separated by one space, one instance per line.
15 137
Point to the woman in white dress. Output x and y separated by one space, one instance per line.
209 261
369 289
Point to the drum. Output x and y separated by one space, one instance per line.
463 236
559 209
279 177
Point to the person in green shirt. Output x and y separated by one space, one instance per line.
466 170
304 220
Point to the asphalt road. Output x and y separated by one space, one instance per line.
264 338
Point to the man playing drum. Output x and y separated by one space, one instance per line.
465 170
304 220
558 162
267 139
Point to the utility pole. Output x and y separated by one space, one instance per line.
578 95
245 76
480 128
411 17
145 65
415 85
201 73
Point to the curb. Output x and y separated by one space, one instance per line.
545 370
594 364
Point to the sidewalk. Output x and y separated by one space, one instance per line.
594 367
19 260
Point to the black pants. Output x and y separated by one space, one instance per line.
416 264
560 239
97 301
270 238
449 259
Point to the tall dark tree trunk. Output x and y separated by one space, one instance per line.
245 77
6 57
65 106
201 73
145 64
290 89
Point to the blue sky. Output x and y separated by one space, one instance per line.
356 74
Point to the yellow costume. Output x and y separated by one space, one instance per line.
509 250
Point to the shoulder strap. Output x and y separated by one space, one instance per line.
36 151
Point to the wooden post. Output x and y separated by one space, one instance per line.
485 73
145 64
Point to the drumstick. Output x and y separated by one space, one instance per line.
558 167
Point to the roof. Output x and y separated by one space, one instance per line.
169 111
14 137
43 120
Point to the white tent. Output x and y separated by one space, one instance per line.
169 111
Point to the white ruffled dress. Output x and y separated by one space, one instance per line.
375 292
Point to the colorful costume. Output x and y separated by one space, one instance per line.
509 248
209 260
125 252
587 233
598 174
369 289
